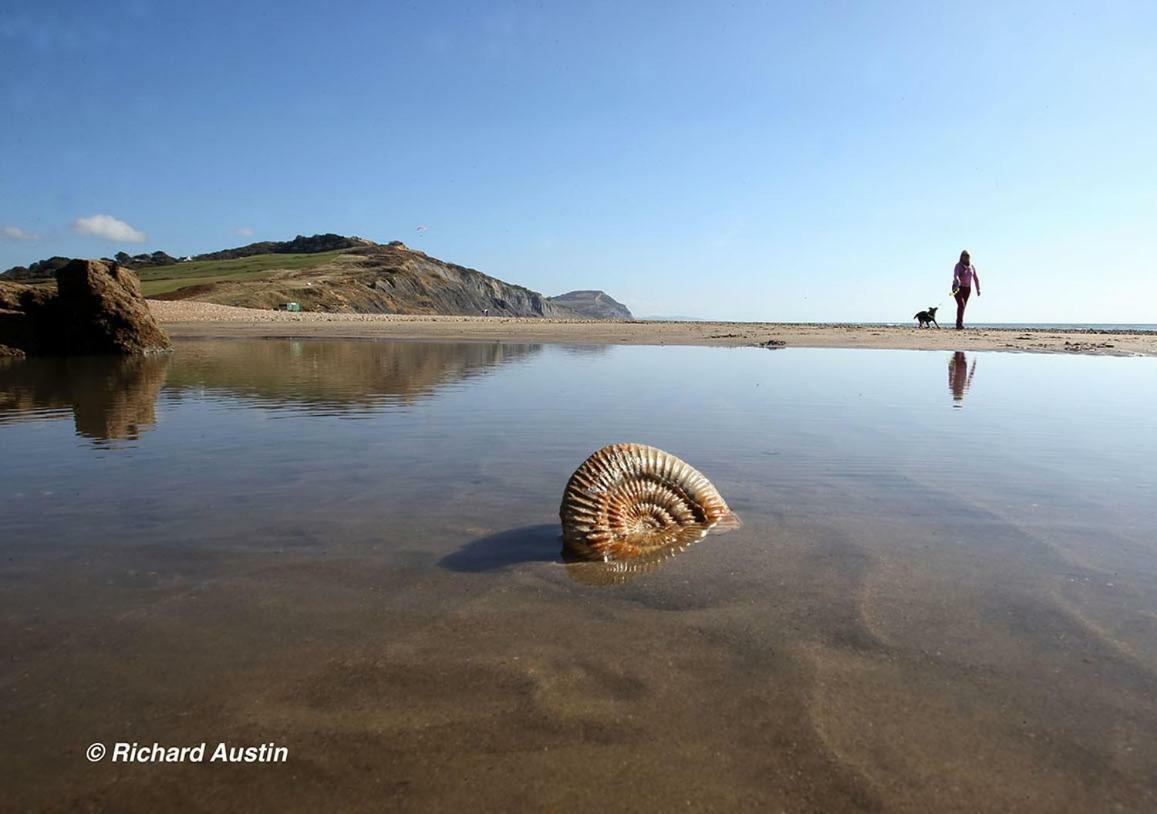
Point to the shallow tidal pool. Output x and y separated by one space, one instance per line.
943 595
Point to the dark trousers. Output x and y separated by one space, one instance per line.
961 301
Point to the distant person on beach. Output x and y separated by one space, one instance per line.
963 277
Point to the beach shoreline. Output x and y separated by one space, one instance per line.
186 320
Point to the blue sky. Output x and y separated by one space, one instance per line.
803 161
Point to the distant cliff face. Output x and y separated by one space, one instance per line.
410 281
373 279
593 305
343 274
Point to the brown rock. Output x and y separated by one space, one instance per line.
16 329
97 309
13 328
10 296
20 298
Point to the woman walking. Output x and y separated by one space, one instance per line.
963 277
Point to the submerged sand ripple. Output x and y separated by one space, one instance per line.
988 692
817 676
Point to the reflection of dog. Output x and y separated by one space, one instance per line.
924 318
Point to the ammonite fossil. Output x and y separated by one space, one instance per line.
630 501
640 561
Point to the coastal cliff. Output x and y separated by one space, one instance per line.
332 273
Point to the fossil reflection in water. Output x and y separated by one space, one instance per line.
629 507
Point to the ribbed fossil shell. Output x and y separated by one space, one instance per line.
630 500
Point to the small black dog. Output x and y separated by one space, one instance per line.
924 318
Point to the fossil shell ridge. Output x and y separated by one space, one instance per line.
628 500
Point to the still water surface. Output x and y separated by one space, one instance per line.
944 594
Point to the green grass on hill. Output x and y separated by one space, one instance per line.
164 279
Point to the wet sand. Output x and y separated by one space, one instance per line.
795 667
186 319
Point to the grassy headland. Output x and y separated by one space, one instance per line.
165 279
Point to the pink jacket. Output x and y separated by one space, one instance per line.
962 277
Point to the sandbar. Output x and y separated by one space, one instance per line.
185 319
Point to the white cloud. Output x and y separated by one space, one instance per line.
109 228
244 231
16 233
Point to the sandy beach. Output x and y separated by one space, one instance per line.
183 319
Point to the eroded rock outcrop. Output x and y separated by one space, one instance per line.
97 309
593 305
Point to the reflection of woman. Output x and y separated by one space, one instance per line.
959 376
963 276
